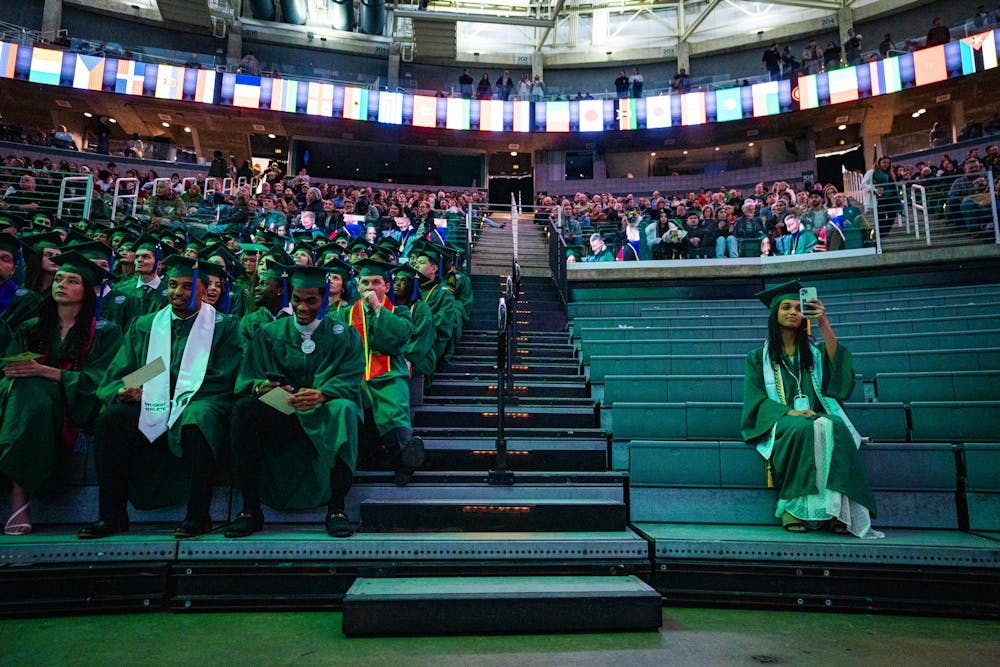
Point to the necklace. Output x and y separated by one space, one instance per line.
308 345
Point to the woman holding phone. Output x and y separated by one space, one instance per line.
792 414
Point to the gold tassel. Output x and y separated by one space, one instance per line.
809 328
770 477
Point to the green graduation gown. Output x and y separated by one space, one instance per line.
793 457
443 308
420 350
121 308
160 480
152 299
34 409
22 307
251 323
460 286
389 393
295 473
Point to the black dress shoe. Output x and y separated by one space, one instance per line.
193 528
403 476
412 455
244 525
338 525
103 528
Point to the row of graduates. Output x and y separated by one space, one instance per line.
345 363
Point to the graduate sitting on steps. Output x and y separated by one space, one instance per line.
17 304
179 416
50 392
419 351
386 435
301 450
426 259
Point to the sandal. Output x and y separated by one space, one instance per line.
792 524
838 527
18 528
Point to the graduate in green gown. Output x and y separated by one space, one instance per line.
17 304
145 283
269 302
175 422
113 307
306 455
385 331
340 276
793 416
420 350
426 259
458 281
49 395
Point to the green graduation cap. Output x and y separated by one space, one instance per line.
11 219
372 267
219 250
179 266
772 296
36 243
277 254
75 262
325 255
425 249
308 277
409 272
76 236
253 248
90 249
342 238
340 267
211 269
359 244
146 242
9 243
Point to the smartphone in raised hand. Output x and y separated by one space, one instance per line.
807 294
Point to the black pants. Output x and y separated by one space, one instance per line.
119 441
253 427
380 451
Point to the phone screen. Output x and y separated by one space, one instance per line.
806 294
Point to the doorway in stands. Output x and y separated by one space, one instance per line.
511 173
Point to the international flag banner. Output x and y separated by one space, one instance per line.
246 91
88 73
843 85
424 111
693 109
8 60
320 98
765 99
203 83
808 92
356 103
521 121
457 117
46 65
284 93
907 71
864 74
557 116
22 63
891 79
929 65
170 82
657 112
390 108
491 115
626 114
149 78
978 53
130 78
592 115
729 104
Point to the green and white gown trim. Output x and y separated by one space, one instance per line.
826 504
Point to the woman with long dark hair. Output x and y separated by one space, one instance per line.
39 268
50 391
793 416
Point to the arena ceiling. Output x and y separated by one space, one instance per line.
565 32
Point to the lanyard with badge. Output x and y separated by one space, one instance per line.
800 401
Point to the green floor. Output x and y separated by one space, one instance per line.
688 637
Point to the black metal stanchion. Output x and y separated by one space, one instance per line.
500 475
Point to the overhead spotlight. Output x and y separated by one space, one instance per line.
271 136
652 155
513 153
750 144
921 111
430 168
717 148
112 120
914 115
841 127
165 124
87 114
188 130
685 152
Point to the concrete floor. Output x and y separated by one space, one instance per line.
688 637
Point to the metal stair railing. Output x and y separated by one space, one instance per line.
501 475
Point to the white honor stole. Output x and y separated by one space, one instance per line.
159 410
775 393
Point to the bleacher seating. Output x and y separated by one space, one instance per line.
668 377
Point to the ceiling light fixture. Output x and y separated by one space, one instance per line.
87 114
841 127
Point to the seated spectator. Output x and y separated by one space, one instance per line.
993 125
25 198
164 206
193 200
938 135
725 236
972 130
797 241
938 34
885 46
249 64
134 146
976 207
961 188
682 82
599 251
696 238
61 138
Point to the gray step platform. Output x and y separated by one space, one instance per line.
478 605
496 514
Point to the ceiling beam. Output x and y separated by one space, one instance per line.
832 5
453 17
699 20
552 24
